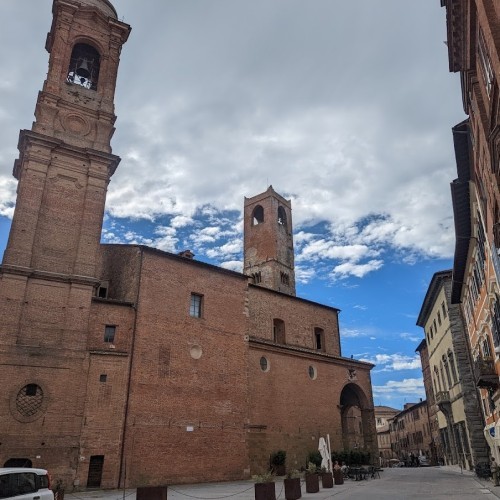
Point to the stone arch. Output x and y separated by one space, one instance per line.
358 420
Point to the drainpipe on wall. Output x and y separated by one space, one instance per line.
122 472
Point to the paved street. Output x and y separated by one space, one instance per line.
412 483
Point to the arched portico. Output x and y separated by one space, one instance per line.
358 420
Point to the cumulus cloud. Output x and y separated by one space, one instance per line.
352 269
304 274
233 265
407 386
394 362
229 118
181 221
230 248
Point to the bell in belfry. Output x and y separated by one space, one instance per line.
83 70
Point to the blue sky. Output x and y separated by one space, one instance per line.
346 108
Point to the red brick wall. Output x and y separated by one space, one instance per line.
300 317
294 409
171 391
289 410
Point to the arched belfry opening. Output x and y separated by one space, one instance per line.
84 66
282 217
257 215
357 418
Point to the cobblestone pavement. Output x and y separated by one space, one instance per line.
401 483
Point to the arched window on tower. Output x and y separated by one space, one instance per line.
257 277
284 278
257 215
281 216
84 66
278 331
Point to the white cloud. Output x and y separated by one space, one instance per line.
7 196
411 337
228 117
304 275
394 362
233 265
322 249
230 248
180 221
352 333
347 269
407 386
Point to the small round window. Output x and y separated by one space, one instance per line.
29 400
312 372
264 364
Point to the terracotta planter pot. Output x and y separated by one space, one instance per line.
292 488
265 491
327 480
312 483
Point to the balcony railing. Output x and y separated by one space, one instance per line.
485 374
442 397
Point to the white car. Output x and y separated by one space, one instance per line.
25 484
422 460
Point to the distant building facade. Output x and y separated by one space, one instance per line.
383 418
410 432
473 48
436 445
449 367
123 365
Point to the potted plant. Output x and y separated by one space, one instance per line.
312 478
326 478
278 459
292 485
264 486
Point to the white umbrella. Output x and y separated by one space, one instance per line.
326 461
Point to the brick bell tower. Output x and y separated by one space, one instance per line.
268 241
49 271
65 161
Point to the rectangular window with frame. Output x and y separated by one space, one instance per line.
109 333
196 305
485 62
443 308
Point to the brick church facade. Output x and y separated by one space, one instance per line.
127 365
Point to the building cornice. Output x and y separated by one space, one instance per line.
268 345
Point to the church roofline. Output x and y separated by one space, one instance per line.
260 343
218 269
293 297
180 258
